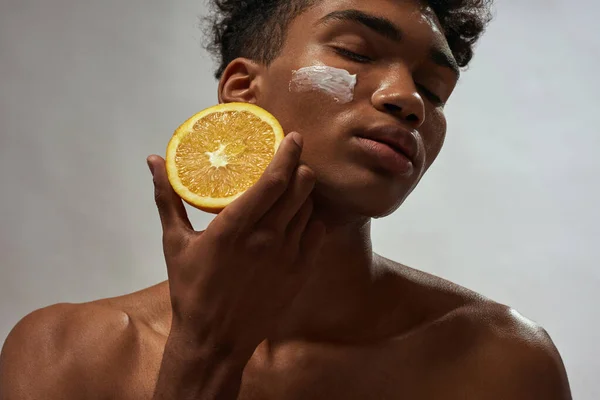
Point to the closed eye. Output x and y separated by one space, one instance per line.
352 55
434 98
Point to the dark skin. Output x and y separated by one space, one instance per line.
282 296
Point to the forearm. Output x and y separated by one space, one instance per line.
199 372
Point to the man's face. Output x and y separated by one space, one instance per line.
404 76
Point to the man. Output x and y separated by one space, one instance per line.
282 297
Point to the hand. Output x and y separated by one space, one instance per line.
231 283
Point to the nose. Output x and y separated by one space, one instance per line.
398 96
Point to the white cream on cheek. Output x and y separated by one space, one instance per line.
338 83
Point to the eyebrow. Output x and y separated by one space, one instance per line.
389 30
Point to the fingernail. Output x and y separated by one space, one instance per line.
150 166
297 138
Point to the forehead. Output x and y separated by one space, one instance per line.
412 7
413 16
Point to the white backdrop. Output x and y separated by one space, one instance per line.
89 88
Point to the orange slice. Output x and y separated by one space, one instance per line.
220 152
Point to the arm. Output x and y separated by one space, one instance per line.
232 283
192 370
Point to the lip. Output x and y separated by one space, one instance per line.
401 140
386 157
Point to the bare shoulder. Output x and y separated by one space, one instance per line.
68 351
507 354
479 347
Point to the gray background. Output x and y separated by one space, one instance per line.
89 88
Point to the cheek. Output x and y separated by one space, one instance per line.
434 135
301 102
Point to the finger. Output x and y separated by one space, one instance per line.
288 205
298 225
258 199
173 215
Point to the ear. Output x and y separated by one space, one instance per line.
240 82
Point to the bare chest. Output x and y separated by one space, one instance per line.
311 371
409 366
300 371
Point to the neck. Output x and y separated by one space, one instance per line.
336 299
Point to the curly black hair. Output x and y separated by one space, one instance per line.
256 29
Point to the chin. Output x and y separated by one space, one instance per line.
378 209
357 202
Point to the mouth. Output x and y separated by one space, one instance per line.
402 141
